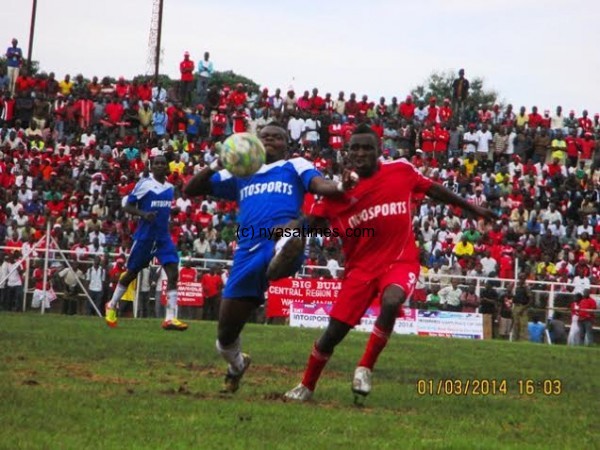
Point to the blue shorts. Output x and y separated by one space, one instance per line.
143 251
248 276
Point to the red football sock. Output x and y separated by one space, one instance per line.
314 367
377 342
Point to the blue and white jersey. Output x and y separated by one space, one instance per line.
150 195
272 196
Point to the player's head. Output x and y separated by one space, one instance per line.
364 150
274 138
159 167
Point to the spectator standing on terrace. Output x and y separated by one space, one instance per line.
556 328
460 92
489 306
450 296
522 302
384 265
14 60
574 337
205 71
212 284
505 316
70 275
186 68
587 305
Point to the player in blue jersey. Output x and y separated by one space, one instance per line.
270 198
151 200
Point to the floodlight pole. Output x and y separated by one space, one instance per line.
31 33
158 37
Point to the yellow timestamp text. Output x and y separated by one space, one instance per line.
486 387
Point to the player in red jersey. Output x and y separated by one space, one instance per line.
383 264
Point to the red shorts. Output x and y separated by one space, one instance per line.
359 290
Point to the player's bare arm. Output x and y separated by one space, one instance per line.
130 208
327 188
200 183
440 193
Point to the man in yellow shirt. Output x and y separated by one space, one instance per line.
66 86
464 248
522 118
545 267
176 165
558 147
470 164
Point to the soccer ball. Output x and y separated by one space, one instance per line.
242 154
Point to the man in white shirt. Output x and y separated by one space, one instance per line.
296 126
489 264
333 266
183 203
4 268
159 94
557 122
201 245
585 227
311 130
484 139
450 296
95 278
205 71
14 284
70 277
471 139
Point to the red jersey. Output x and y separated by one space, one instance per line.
587 304
219 123
188 274
585 123
587 148
336 140
211 284
432 113
441 138
445 114
427 140
121 89
572 146
186 67
407 110
378 208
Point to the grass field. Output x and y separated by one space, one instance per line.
72 383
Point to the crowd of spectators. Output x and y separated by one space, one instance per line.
72 149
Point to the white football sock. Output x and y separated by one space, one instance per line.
119 291
233 355
171 309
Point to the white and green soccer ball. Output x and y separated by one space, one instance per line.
242 154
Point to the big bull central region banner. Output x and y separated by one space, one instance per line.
308 303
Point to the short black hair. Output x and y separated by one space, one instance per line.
277 125
363 128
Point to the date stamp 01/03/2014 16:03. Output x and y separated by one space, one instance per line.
485 387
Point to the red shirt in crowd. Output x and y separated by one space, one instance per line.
211 285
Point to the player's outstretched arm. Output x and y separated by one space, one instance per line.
200 183
327 188
440 193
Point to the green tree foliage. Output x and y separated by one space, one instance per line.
165 80
230 78
439 84
35 65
